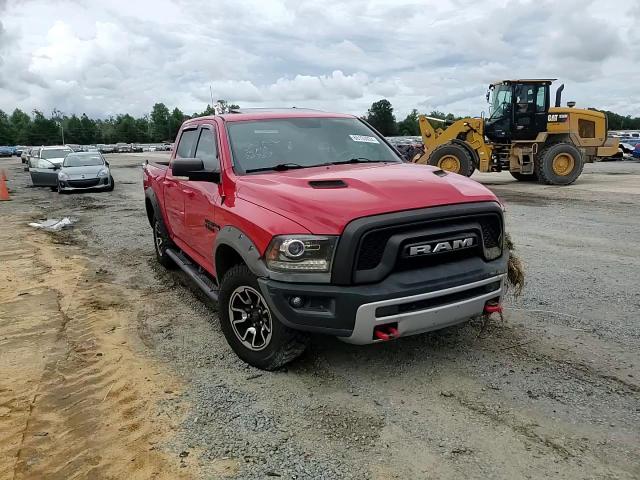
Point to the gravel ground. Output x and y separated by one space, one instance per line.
552 391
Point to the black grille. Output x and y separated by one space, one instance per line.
91 182
373 243
372 248
490 234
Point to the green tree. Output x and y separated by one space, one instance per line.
44 131
381 117
175 122
6 130
622 122
73 130
143 129
160 127
410 125
21 124
125 129
88 131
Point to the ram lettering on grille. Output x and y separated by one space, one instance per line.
440 247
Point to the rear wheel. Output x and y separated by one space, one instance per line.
253 331
452 158
559 164
524 177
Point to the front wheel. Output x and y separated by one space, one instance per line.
161 242
452 158
111 186
559 164
252 330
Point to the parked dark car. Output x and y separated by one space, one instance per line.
6 151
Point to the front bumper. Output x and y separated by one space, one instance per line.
430 311
69 185
417 300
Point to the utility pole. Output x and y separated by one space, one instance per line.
58 115
211 93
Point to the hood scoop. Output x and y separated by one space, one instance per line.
328 184
440 173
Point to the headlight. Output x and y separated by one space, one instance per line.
103 173
63 176
301 253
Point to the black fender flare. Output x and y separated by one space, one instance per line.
472 152
239 241
150 197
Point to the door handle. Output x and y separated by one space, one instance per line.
189 193
167 183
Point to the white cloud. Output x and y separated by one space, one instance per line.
105 58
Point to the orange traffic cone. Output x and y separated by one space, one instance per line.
4 193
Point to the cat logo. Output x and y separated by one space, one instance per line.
558 117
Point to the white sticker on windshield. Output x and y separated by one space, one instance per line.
266 131
364 138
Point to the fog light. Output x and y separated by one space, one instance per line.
296 302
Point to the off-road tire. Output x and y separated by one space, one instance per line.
285 344
160 233
525 177
544 165
466 166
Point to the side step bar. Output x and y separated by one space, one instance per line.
201 279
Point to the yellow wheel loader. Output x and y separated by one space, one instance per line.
522 134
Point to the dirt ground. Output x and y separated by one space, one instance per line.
111 367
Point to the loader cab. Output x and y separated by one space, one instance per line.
518 110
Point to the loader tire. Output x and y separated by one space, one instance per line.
452 158
559 164
525 177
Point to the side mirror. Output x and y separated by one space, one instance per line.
57 167
193 169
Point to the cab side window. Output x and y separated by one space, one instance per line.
186 143
207 150
541 100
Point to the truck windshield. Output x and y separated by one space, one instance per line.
304 142
500 101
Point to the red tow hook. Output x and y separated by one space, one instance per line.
492 307
385 333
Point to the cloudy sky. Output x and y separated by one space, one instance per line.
116 56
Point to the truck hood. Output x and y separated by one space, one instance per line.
324 199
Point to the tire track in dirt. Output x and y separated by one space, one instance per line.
76 398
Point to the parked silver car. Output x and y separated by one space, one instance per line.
44 163
84 170
79 171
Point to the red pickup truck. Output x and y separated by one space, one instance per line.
299 221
